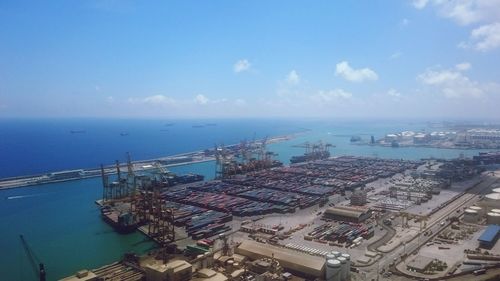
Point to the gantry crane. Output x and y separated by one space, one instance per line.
34 260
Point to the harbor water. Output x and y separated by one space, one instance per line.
60 220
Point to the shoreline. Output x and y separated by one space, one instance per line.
193 157
427 146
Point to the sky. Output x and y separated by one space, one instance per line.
233 59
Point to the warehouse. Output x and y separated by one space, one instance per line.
348 214
296 262
489 237
419 264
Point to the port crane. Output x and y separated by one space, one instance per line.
314 147
34 260
314 151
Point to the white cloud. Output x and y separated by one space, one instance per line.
110 99
344 70
463 66
293 78
420 4
404 22
156 100
201 99
464 12
396 55
452 83
240 102
218 100
393 93
484 38
242 65
331 95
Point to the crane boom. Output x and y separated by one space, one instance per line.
40 270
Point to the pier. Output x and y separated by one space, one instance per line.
140 165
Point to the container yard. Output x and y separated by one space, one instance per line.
370 209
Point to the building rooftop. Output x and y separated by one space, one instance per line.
81 275
345 211
489 234
420 263
290 259
206 274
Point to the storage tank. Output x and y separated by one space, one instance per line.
229 266
492 201
348 265
333 270
479 210
330 256
470 216
343 268
335 253
493 218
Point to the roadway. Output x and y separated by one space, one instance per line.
434 226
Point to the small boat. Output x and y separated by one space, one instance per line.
124 134
355 138
78 131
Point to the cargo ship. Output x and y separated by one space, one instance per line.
317 155
122 222
355 138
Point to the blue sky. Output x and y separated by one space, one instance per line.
353 59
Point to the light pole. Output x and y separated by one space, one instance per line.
378 268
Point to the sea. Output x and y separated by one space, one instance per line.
61 222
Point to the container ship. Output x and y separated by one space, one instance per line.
122 222
316 155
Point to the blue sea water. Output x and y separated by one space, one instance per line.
30 146
61 221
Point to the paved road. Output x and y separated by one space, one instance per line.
434 225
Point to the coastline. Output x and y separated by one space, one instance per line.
428 146
139 165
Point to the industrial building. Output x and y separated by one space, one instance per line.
420 264
358 197
489 237
296 262
206 274
177 270
349 214
116 270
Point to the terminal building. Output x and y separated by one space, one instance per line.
348 214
